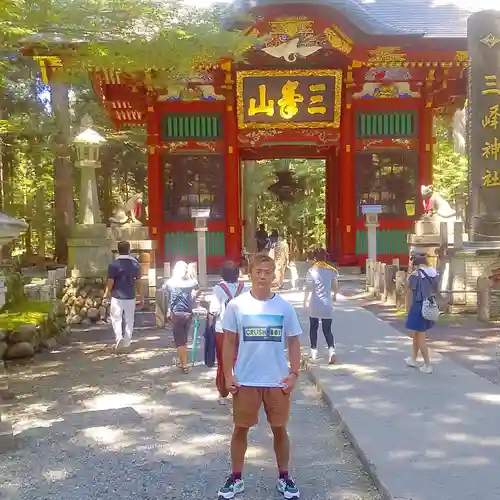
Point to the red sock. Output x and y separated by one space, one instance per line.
283 474
237 476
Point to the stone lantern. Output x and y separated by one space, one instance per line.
88 143
89 249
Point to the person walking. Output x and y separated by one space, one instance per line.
422 284
320 294
261 237
277 249
222 294
181 289
259 325
124 286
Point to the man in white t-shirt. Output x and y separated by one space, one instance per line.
260 325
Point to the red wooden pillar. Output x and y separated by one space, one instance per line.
347 195
155 205
232 181
426 140
331 203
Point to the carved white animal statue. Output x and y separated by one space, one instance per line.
127 212
290 50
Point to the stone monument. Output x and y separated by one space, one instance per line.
469 264
125 225
10 229
89 250
483 33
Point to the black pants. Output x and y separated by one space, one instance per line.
326 325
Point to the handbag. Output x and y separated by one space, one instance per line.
430 309
210 341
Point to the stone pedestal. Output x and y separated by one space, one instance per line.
140 245
466 267
6 434
89 250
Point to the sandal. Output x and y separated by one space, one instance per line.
185 369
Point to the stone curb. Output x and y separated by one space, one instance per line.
325 394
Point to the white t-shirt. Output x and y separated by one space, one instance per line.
218 302
263 327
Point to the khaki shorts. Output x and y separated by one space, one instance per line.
248 400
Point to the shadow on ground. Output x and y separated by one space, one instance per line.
93 424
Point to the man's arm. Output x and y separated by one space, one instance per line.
229 353
294 354
138 286
230 328
110 283
109 286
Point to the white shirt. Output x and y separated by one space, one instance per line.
263 327
218 302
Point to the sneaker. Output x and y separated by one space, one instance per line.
231 488
314 354
426 369
412 363
332 356
119 344
286 486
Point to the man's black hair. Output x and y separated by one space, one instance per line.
229 272
124 248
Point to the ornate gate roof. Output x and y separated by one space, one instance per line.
382 17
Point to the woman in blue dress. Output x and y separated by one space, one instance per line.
422 283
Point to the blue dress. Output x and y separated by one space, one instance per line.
421 288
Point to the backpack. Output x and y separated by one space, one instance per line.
430 308
228 292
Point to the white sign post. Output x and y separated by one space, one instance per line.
371 213
200 217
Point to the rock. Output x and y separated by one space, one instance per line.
61 323
94 314
64 337
97 302
49 343
24 333
103 312
80 282
84 311
75 320
89 303
20 350
3 349
59 309
86 321
3 335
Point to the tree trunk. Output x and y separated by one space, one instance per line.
249 206
63 171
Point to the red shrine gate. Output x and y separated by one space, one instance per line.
320 86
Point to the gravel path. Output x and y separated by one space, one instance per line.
95 425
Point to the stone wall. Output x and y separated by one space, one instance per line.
25 340
83 300
465 268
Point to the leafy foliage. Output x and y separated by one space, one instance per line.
302 220
450 168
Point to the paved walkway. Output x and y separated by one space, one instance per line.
463 338
94 425
425 437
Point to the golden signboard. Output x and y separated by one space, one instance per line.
289 98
